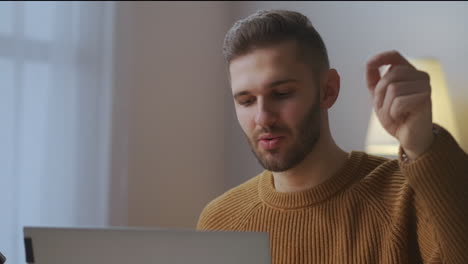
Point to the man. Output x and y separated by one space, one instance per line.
318 203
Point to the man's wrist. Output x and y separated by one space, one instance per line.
407 155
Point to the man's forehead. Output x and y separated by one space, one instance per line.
261 69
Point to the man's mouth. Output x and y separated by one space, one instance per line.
269 142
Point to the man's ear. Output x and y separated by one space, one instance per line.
330 89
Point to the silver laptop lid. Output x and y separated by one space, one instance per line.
46 245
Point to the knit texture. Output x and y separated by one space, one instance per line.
374 210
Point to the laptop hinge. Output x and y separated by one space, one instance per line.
29 250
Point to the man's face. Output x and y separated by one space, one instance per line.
277 104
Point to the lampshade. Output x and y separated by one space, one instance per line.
379 142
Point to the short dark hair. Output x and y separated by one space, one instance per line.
268 27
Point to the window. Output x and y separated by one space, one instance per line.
55 105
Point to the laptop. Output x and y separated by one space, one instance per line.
53 245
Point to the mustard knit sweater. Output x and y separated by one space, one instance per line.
373 210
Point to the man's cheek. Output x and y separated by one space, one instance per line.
245 121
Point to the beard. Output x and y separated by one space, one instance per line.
308 133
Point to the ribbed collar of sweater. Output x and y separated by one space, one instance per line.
295 200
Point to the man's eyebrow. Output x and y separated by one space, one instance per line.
279 82
271 85
240 94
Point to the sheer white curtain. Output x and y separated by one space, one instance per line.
55 114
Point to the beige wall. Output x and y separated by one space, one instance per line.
169 105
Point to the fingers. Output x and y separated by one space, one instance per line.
398 74
373 76
394 91
372 69
397 89
403 106
401 89
392 57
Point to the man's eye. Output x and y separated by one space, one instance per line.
282 94
246 102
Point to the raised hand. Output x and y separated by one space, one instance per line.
402 101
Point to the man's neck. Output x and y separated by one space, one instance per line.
319 165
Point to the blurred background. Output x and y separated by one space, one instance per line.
120 113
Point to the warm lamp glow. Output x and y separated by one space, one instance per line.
379 142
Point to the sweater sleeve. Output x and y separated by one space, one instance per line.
203 219
439 178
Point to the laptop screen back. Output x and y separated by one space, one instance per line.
146 246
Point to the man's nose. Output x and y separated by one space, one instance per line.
266 115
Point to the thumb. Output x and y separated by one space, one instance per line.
373 77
